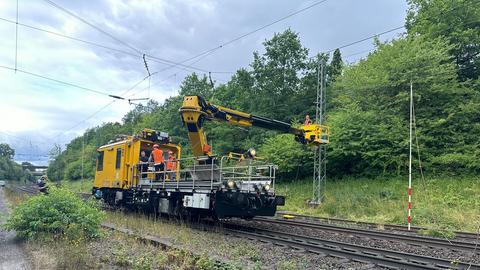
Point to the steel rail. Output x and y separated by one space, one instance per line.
380 257
412 239
393 227
26 189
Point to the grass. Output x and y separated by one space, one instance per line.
439 203
79 186
239 252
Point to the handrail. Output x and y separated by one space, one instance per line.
247 172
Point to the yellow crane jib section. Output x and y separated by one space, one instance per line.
193 117
195 110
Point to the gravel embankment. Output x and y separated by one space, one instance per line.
448 254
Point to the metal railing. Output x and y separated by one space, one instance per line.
208 173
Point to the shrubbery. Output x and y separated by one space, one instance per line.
293 159
61 213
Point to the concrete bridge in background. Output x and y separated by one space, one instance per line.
35 170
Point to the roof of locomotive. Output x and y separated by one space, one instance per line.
135 139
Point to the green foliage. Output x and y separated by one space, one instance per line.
73 170
336 65
6 151
293 159
277 75
56 168
10 170
458 21
61 214
457 161
369 122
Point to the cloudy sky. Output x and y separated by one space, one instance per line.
36 112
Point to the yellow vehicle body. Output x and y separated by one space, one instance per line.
117 162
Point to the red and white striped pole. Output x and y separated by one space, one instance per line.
410 161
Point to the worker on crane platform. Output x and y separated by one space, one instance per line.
307 120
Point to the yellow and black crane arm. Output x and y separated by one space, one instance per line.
196 110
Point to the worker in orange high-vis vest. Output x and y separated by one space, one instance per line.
158 162
171 165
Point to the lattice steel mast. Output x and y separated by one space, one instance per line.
320 155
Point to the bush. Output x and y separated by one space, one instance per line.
457 161
73 170
293 159
61 213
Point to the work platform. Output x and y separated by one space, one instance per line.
227 172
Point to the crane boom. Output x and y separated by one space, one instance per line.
195 110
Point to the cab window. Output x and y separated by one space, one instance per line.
118 160
100 161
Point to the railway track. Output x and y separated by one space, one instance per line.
34 190
370 225
369 255
410 238
26 189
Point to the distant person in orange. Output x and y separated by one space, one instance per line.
307 120
158 161
171 165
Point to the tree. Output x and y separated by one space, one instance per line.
55 151
370 121
193 85
9 169
277 74
335 68
6 151
294 160
133 117
458 21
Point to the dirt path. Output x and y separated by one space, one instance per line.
12 257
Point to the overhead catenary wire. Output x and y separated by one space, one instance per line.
392 30
93 26
138 51
131 96
437 31
105 106
59 81
366 38
115 97
209 51
91 43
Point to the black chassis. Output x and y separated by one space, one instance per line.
224 203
